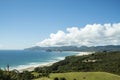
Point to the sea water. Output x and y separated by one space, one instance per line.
20 59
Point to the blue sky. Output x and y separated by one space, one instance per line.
23 23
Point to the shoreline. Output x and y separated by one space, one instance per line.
32 67
22 68
84 53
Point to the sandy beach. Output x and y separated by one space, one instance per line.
84 53
31 68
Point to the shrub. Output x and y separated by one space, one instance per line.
62 78
56 78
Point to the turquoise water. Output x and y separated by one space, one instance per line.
18 59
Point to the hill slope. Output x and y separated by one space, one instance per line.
100 61
87 76
75 48
83 76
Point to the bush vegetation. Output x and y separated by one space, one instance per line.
99 61
96 62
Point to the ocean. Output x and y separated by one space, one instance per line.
21 59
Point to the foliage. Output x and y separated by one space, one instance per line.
56 78
75 48
85 76
99 61
15 75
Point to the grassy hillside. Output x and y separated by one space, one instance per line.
87 67
96 62
83 76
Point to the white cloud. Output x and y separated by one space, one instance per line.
90 35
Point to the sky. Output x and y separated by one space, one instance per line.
27 23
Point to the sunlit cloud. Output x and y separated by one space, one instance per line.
90 35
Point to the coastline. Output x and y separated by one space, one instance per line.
84 53
22 68
32 67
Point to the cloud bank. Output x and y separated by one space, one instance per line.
90 35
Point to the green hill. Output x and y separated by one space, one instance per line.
75 48
100 61
83 76
96 66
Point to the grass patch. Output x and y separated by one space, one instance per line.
43 78
86 76
83 76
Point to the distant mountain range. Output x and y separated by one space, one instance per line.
75 48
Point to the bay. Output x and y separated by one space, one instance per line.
20 59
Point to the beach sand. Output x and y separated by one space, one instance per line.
49 64
84 53
33 67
